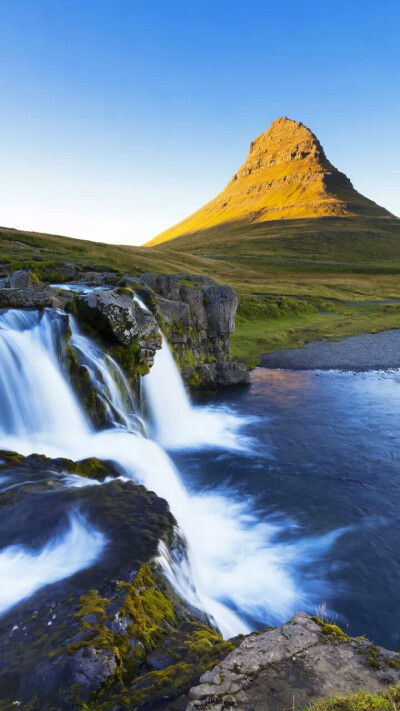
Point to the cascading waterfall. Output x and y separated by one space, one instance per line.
236 570
176 424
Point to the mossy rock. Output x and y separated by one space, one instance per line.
80 380
130 359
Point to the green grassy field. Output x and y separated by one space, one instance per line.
284 301
274 323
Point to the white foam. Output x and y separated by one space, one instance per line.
23 571
176 423
236 569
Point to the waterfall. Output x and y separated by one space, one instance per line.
175 423
235 568
34 395
108 380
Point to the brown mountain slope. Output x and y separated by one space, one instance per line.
285 176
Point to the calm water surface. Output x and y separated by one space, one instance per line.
325 455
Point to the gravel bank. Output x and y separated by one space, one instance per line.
370 351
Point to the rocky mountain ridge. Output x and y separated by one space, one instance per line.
286 175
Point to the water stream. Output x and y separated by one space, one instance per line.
243 569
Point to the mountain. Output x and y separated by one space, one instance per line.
286 177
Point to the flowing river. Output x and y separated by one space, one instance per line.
287 492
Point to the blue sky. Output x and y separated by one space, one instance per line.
118 118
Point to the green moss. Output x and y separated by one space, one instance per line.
201 648
149 611
386 700
188 359
91 468
9 458
153 623
208 358
333 630
130 359
373 657
195 380
193 334
394 663
124 291
91 603
184 281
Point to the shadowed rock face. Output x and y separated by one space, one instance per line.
198 317
286 175
293 665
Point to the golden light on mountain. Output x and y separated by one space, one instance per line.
286 175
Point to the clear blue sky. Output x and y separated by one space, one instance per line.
118 118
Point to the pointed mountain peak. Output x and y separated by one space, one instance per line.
286 175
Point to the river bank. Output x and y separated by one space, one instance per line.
369 351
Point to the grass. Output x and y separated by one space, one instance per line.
387 700
334 239
312 290
279 324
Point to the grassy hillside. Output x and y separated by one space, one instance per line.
282 303
333 239
20 249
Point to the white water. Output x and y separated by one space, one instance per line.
108 380
235 567
176 424
23 571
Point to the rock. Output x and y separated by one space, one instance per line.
174 311
91 667
166 285
221 303
233 374
130 331
66 271
196 315
200 332
115 314
291 666
98 278
46 641
19 280
30 298
194 298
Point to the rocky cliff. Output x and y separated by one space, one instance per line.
196 315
